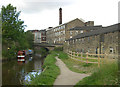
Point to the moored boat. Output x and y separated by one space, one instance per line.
21 56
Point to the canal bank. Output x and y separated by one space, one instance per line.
55 72
16 73
50 73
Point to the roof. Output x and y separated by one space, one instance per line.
87 27
103 30
37 30
69 22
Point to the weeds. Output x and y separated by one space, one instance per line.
107 74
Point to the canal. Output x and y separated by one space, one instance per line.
16 73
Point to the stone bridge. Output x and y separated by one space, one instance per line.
47 46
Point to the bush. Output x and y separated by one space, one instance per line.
58 49
62 55
41 51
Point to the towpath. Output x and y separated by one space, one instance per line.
66 76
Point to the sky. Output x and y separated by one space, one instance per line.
41 14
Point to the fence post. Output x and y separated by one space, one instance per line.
87 58
98 60
77 54
74 55
71 54
105 58
81 56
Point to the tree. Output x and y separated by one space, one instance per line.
12 31
29 38
13 36
0 23
11 25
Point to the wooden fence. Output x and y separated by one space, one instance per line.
87 57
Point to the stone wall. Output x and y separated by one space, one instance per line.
106 43
72 24
60 33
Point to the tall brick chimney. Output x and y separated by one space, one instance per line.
60 16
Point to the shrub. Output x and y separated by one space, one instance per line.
58 49
62 55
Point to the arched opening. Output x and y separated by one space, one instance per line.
47 49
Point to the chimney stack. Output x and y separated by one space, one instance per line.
60 16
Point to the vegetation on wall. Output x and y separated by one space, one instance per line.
42 51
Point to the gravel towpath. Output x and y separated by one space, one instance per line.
66 76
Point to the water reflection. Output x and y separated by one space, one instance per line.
15 73
31 75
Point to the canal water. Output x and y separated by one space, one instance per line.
16 73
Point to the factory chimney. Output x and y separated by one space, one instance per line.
60 16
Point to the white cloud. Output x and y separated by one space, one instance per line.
40 14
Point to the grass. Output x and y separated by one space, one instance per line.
107 74
50 74
77 66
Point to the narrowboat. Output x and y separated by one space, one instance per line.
21 56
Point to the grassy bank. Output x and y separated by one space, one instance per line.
77 66
51 72
107 74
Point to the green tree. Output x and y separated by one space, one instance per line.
13 36
11 24
0 23
12 31
30 38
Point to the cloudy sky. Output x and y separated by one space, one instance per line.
41 14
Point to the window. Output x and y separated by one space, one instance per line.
59 28
111 50
64 26
73 41
81 31
102 38
70 36
68 42
54 41
64 32
76 32
70 32
88 39
88 49
103 50
93 37
82 39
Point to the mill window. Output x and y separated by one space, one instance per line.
111 50
81 31
70 32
